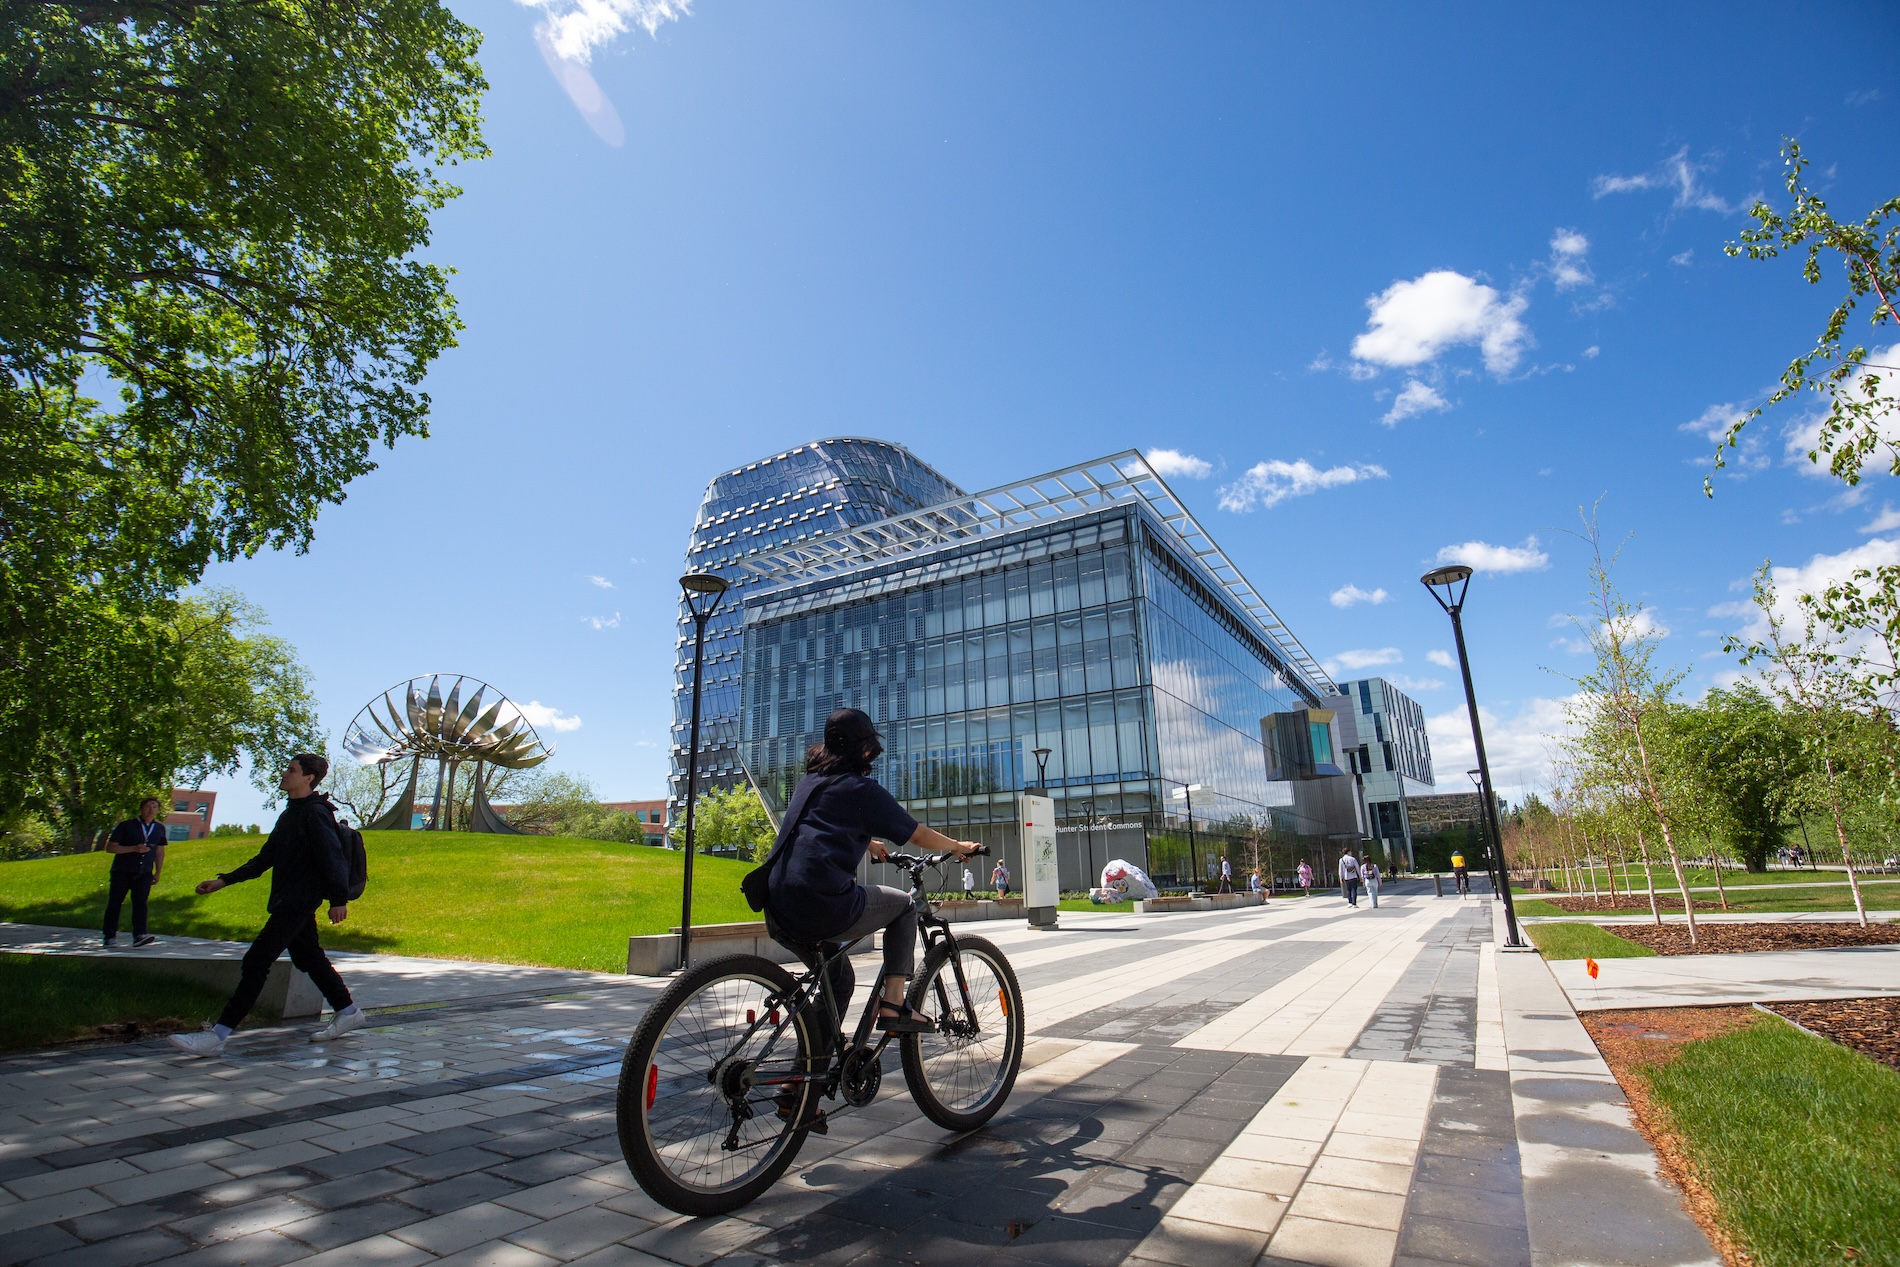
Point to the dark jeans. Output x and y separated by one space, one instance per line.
140 887
1352 891
295 931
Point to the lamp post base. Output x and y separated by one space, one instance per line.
1041 917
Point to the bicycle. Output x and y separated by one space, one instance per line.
719 1087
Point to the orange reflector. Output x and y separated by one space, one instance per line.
1002 996
653 1084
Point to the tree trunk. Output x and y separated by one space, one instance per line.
1716 862
1649 878
1669 840
1840 834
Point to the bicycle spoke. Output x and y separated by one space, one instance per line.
966 1068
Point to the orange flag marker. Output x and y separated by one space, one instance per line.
1590 966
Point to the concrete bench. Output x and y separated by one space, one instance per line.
288 994
657 954
1200 902
960 909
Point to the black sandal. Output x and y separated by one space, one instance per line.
906 1021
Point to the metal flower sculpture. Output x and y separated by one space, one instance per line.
415 721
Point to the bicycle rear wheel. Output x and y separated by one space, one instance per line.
699 1132
961 1072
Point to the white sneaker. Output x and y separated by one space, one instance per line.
203 1043
340 1025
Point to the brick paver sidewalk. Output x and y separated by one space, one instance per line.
1299 1083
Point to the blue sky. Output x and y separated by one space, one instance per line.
1391 283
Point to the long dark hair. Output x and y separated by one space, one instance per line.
822 760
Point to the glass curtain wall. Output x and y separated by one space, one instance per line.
816 488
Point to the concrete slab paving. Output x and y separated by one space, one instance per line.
1761 976
1296 1083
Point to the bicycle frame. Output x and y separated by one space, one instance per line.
815 986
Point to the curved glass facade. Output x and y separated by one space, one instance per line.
804 492
1091 636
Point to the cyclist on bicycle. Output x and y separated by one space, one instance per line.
814 894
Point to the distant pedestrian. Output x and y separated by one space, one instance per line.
1461 875
1306 878
1370 874
999 879
969 883
308 867
137 847
1226 876
1349 877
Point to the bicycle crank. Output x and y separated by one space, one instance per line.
863 1074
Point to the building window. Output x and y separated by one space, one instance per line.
177 831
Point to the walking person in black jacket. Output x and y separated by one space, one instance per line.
307 866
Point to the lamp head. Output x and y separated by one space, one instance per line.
1453 580
703 591
1477 778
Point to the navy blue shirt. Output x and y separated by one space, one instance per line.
134 832
815 893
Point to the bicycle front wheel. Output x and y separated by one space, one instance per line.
961 1072
697 1107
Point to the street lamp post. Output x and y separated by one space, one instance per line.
1495 850
1186 792
1454 581
1088 828
703 591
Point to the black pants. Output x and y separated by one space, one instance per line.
295 931
140 887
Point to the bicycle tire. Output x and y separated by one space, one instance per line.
960 1081
677 1154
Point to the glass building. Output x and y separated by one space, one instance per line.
1083 612
1383 729
790 497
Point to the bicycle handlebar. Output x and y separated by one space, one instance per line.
917 862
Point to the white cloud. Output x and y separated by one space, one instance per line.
602 582
1442 659
597 110
1482 556
1568 269
1812 577
1886 521
1414 322
1362 659
1415 398
1865 97
1592 352
1712 424
1682 259
575 28
1270 483
1678 173
550 717
1168 462
602 622
1407 683
1804 436
1520 749
1347 595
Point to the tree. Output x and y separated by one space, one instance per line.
177 700
729 818
1811 675
1743 754
1853 430
1621 703
215 210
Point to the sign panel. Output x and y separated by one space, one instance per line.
1039 852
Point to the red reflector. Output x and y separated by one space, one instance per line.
772 1016
751 1016
653 1084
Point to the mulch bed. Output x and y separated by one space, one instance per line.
1627 903
1630 1040
1869 1026
1734 939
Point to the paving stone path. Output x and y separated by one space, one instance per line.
1301 1083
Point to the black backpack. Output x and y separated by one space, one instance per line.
757 884
355 856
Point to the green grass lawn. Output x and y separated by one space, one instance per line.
1795 1137
45 999
545 900
1880 895
1702 877
1083 904
1583 941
